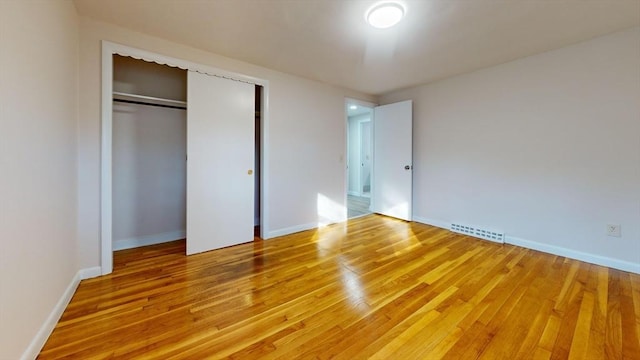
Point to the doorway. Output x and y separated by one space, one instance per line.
359 158
379 171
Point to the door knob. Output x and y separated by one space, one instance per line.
407 167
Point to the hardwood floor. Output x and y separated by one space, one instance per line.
374 287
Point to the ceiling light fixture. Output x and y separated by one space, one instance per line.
353 107
385 15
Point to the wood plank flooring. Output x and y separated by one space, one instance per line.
374 288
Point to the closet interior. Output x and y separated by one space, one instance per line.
149 155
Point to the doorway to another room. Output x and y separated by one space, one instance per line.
359 159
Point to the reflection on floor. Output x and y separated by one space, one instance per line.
357 206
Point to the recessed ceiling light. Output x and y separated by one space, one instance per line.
385 15
353 107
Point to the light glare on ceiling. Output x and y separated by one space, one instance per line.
385 15
353 107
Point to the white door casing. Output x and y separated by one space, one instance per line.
392 160
220 161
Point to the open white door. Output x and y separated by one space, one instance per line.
392 160
220 160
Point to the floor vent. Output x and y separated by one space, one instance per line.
479 233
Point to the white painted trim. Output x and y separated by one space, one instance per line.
264 168
345 180
432 222
372 201
106 189
120 49
551 249
89 273
291 230
574 254
353 193
106 178
359 216
148 240
36 344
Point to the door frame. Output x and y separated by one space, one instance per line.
347 102
106 174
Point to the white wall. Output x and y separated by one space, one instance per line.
149 174
546 148
38 115
306 134
149 156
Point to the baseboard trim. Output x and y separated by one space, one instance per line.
148 240
89 273
51 321
291 230
432 222
551 249
574 254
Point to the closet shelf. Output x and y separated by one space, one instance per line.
148 99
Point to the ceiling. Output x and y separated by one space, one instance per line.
329 40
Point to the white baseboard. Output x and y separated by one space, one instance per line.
291 230
49 324
432 222
574 254
148 240
359 216
551 249
89 273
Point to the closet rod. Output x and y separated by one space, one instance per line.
150 104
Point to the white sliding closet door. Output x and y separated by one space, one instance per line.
220 160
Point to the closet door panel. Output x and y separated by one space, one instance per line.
220 160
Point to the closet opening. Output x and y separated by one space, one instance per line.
223 122
149 153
